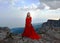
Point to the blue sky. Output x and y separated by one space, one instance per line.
13 12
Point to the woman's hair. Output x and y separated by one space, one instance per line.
28 14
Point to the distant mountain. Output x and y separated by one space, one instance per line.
19 30
37 26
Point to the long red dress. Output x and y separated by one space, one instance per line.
29 30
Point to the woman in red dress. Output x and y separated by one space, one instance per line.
29 30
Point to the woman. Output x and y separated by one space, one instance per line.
29 30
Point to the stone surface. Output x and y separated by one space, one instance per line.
51 31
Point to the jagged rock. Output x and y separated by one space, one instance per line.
57 36
3 31
50 31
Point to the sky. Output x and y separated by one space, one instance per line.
13 12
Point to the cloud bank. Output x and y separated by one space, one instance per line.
53 4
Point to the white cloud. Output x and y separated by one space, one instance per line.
33 6
38 3
12 4
30 7
43 4
46 6
58 9
53 4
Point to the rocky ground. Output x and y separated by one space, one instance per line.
45 39
49 35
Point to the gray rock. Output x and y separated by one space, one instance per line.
57 36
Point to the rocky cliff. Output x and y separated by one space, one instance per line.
51 31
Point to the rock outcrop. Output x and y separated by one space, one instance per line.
3 31
51 31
